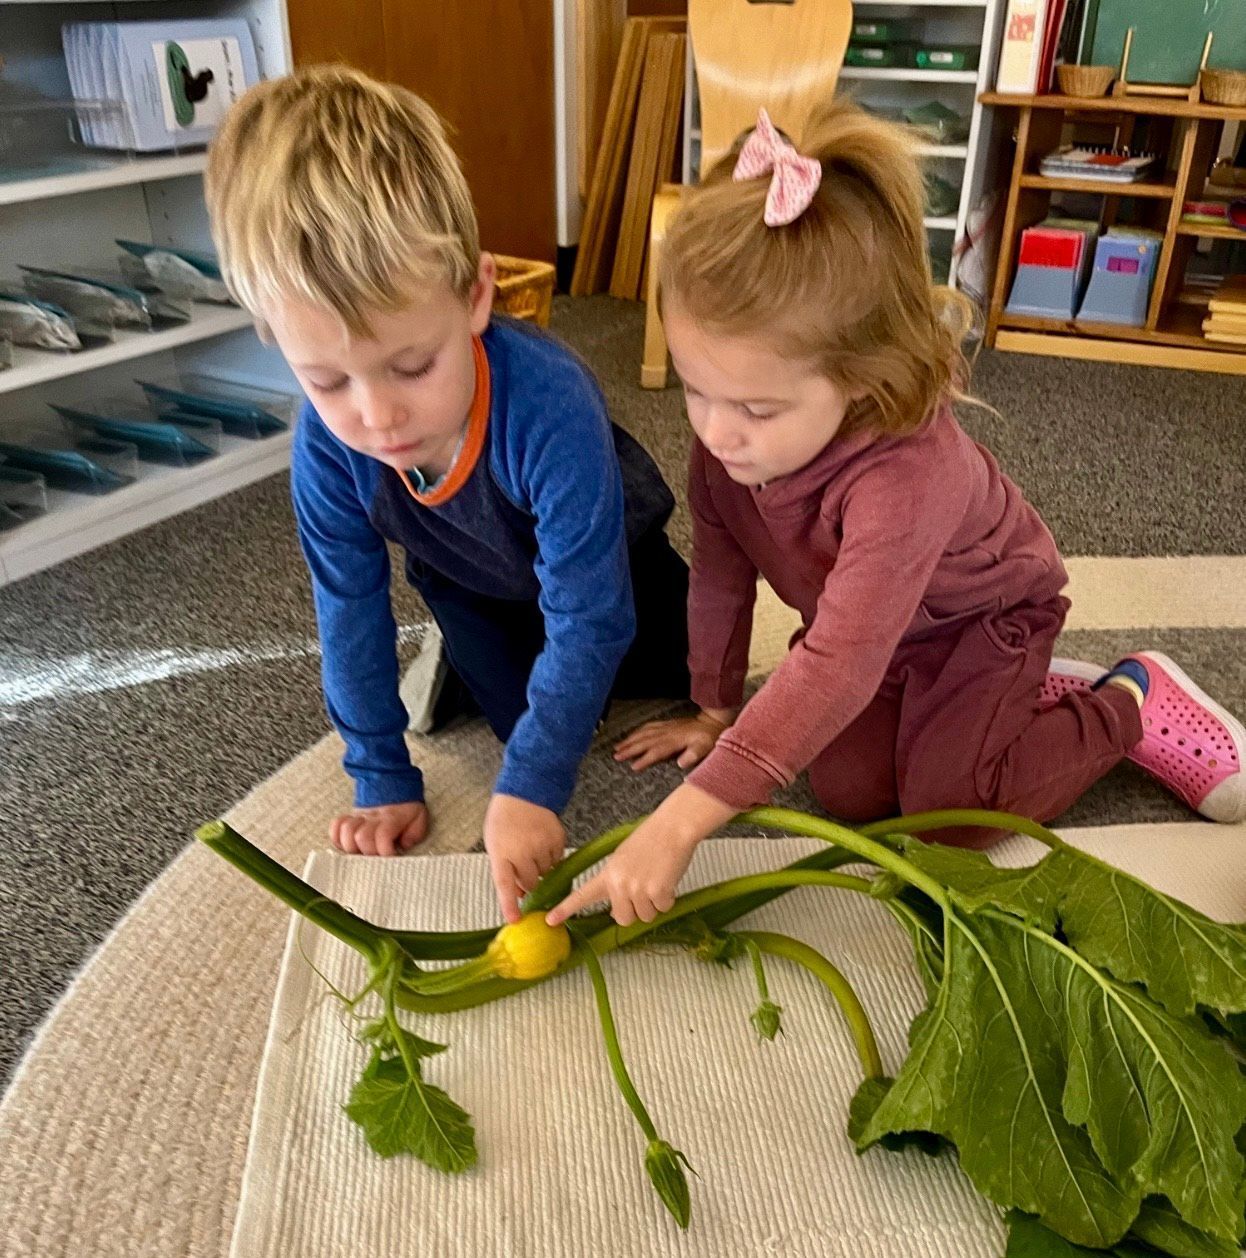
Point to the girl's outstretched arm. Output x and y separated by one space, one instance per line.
642 878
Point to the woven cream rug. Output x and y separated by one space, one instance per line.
560 1156
125 1130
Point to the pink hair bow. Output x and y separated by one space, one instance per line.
794 179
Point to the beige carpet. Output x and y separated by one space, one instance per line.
125 1130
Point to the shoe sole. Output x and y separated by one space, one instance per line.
422 682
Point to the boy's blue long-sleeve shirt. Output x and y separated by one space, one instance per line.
544 514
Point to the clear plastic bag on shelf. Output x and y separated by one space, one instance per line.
23 496
941 197
99 299
938 123
42 136
39 324
243 410
181 444
75 461
888 113
178 273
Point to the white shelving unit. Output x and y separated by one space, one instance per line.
904 74
73 219
972 166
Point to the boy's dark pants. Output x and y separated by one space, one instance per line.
492 643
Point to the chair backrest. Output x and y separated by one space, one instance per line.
783 54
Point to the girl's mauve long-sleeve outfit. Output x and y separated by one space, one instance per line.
929 592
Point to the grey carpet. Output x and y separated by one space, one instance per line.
98 791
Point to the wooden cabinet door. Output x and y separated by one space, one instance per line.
352 31
487 66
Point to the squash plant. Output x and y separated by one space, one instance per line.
1082 1048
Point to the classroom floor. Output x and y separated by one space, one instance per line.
148 685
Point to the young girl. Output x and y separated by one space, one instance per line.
819 364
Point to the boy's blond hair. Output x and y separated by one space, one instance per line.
846 285
331 187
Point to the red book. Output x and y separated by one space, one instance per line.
1047 246
1051 40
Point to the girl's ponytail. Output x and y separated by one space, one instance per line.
846 283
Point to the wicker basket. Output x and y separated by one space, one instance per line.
1085 80
525 290
1223 87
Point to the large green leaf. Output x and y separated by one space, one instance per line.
861 1109
400 1113
974 882
1183 958
1161 1226
1028 1238
1180 956
1069 1095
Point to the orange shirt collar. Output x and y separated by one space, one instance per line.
473 443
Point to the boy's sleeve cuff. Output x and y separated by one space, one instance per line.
537 788
374 790
737 776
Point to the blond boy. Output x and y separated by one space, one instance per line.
531 526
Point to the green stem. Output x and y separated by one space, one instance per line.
610 1034
388 994
482 993
953 818
606 939
746 890
459 945
330 916
619 936
557 882
835 982
831 832
759 970
721 915
443 945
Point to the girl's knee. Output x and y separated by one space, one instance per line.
853 797
916 799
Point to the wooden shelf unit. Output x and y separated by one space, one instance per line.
1171 335
1212 231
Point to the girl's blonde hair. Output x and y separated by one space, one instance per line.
328 186
846 285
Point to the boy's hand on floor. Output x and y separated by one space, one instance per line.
523 840
642 877
687 740
387 830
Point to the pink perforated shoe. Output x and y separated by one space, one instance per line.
1190 744
1064 676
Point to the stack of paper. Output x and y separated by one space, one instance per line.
171 81
1226 319
1092 162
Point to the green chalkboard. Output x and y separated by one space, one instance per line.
1169 36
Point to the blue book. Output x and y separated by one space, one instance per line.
1120 283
